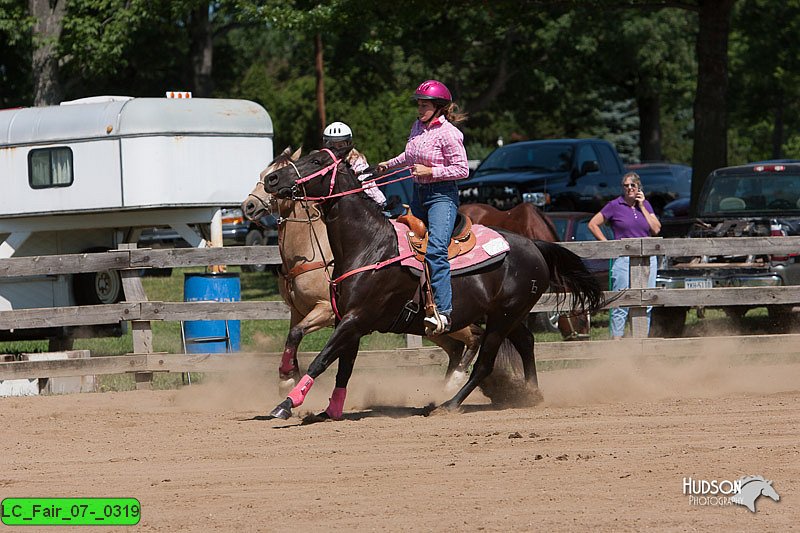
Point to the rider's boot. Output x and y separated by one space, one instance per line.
437 324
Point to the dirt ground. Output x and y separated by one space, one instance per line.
607 451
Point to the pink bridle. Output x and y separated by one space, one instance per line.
330 168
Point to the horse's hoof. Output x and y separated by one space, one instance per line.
446 408
283 410
319 417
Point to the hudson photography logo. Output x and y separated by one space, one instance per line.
744 491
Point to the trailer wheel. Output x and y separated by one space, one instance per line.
95 288
254 237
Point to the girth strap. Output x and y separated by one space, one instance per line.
302 268
377 266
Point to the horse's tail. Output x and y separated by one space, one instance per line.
569 274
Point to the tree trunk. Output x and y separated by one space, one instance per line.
49 15
202 51
710 107
320 82
649 127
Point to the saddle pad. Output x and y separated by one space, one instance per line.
490 247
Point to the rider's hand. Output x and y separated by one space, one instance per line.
421 171
382 167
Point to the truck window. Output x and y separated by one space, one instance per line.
50 167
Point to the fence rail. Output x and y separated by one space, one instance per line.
140 312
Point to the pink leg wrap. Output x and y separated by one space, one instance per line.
336 404
287 362
298 393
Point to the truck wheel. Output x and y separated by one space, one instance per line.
667 322
254 237
94 288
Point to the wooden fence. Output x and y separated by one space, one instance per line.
140 312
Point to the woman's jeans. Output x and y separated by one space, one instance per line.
437 205
620 279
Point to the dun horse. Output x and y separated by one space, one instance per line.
370 299
303 283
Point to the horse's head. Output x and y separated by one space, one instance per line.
768 491
259 201
313 175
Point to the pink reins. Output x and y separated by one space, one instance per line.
332 167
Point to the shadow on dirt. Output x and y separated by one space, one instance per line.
386 411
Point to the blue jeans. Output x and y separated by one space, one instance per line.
437 205
620 279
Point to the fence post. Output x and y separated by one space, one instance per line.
413 341
639 271
140 329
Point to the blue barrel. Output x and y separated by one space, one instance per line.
209 336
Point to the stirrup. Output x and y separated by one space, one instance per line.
436 324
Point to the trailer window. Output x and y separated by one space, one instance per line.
50 167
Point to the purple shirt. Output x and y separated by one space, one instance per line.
438 145
626 221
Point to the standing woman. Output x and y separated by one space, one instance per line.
435 152
630 216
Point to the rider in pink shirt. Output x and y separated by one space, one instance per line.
435 152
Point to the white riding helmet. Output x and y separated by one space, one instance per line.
337 131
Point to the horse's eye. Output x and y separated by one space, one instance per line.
316 161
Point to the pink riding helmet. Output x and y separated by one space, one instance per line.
432 90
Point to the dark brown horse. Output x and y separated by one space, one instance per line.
371 299
526 219
303 283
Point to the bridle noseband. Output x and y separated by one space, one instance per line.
301 180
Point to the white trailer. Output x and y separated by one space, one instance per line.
87 175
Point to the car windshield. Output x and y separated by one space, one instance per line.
759 192
542 157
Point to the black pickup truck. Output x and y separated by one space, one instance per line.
754 200
555 175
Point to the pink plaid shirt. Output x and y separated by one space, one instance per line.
439 145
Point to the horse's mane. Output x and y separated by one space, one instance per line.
748 479
283 159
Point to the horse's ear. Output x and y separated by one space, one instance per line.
287 151
296 155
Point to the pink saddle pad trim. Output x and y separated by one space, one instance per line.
489 244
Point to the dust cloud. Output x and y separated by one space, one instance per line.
709 374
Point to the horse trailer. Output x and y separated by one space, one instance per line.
87 175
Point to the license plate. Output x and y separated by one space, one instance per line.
698 283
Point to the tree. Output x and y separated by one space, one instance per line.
711 98
15 60
765 68
48 22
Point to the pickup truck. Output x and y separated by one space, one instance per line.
754 200
555 175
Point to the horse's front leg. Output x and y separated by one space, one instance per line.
344 341
319 317
347 359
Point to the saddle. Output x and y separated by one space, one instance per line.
461 241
